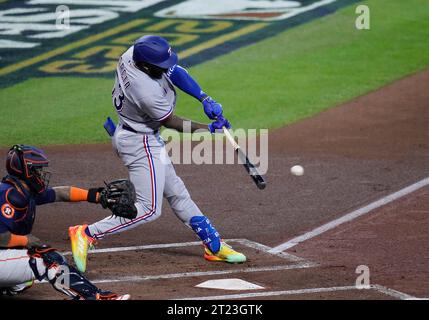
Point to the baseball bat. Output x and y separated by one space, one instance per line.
257 178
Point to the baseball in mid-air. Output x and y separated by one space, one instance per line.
297 170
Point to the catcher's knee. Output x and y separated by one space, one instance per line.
45 263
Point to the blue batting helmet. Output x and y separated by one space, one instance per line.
154 50
26 163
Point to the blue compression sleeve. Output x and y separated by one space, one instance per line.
182 79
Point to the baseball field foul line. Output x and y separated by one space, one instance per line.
351 216
381 289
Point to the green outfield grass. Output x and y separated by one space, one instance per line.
293 75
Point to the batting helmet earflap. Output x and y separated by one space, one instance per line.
27 163
154 50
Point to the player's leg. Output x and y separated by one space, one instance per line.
188 212
19 269
15 275
141 154
47 264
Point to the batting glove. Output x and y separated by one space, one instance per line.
212 108
218 124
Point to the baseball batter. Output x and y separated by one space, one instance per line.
144 98
23 257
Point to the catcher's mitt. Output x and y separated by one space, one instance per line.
119 196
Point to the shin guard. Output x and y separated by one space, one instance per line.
206 232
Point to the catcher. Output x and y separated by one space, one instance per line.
23 257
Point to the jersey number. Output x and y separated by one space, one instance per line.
118 98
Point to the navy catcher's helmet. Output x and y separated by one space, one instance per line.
154 50
27 163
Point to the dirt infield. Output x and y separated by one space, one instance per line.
353 155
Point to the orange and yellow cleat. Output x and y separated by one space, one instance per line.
225 254
80 243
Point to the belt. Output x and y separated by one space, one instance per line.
128 128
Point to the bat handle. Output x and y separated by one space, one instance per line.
228 134
230 138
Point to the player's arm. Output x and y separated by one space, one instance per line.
74 194
10 240
68 194
183 80
182 124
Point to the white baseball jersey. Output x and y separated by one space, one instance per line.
140 101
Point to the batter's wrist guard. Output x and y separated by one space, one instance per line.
204 96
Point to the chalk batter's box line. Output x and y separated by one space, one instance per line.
377 288
244 242
171 276
300 264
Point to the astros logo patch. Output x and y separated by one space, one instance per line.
7 211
